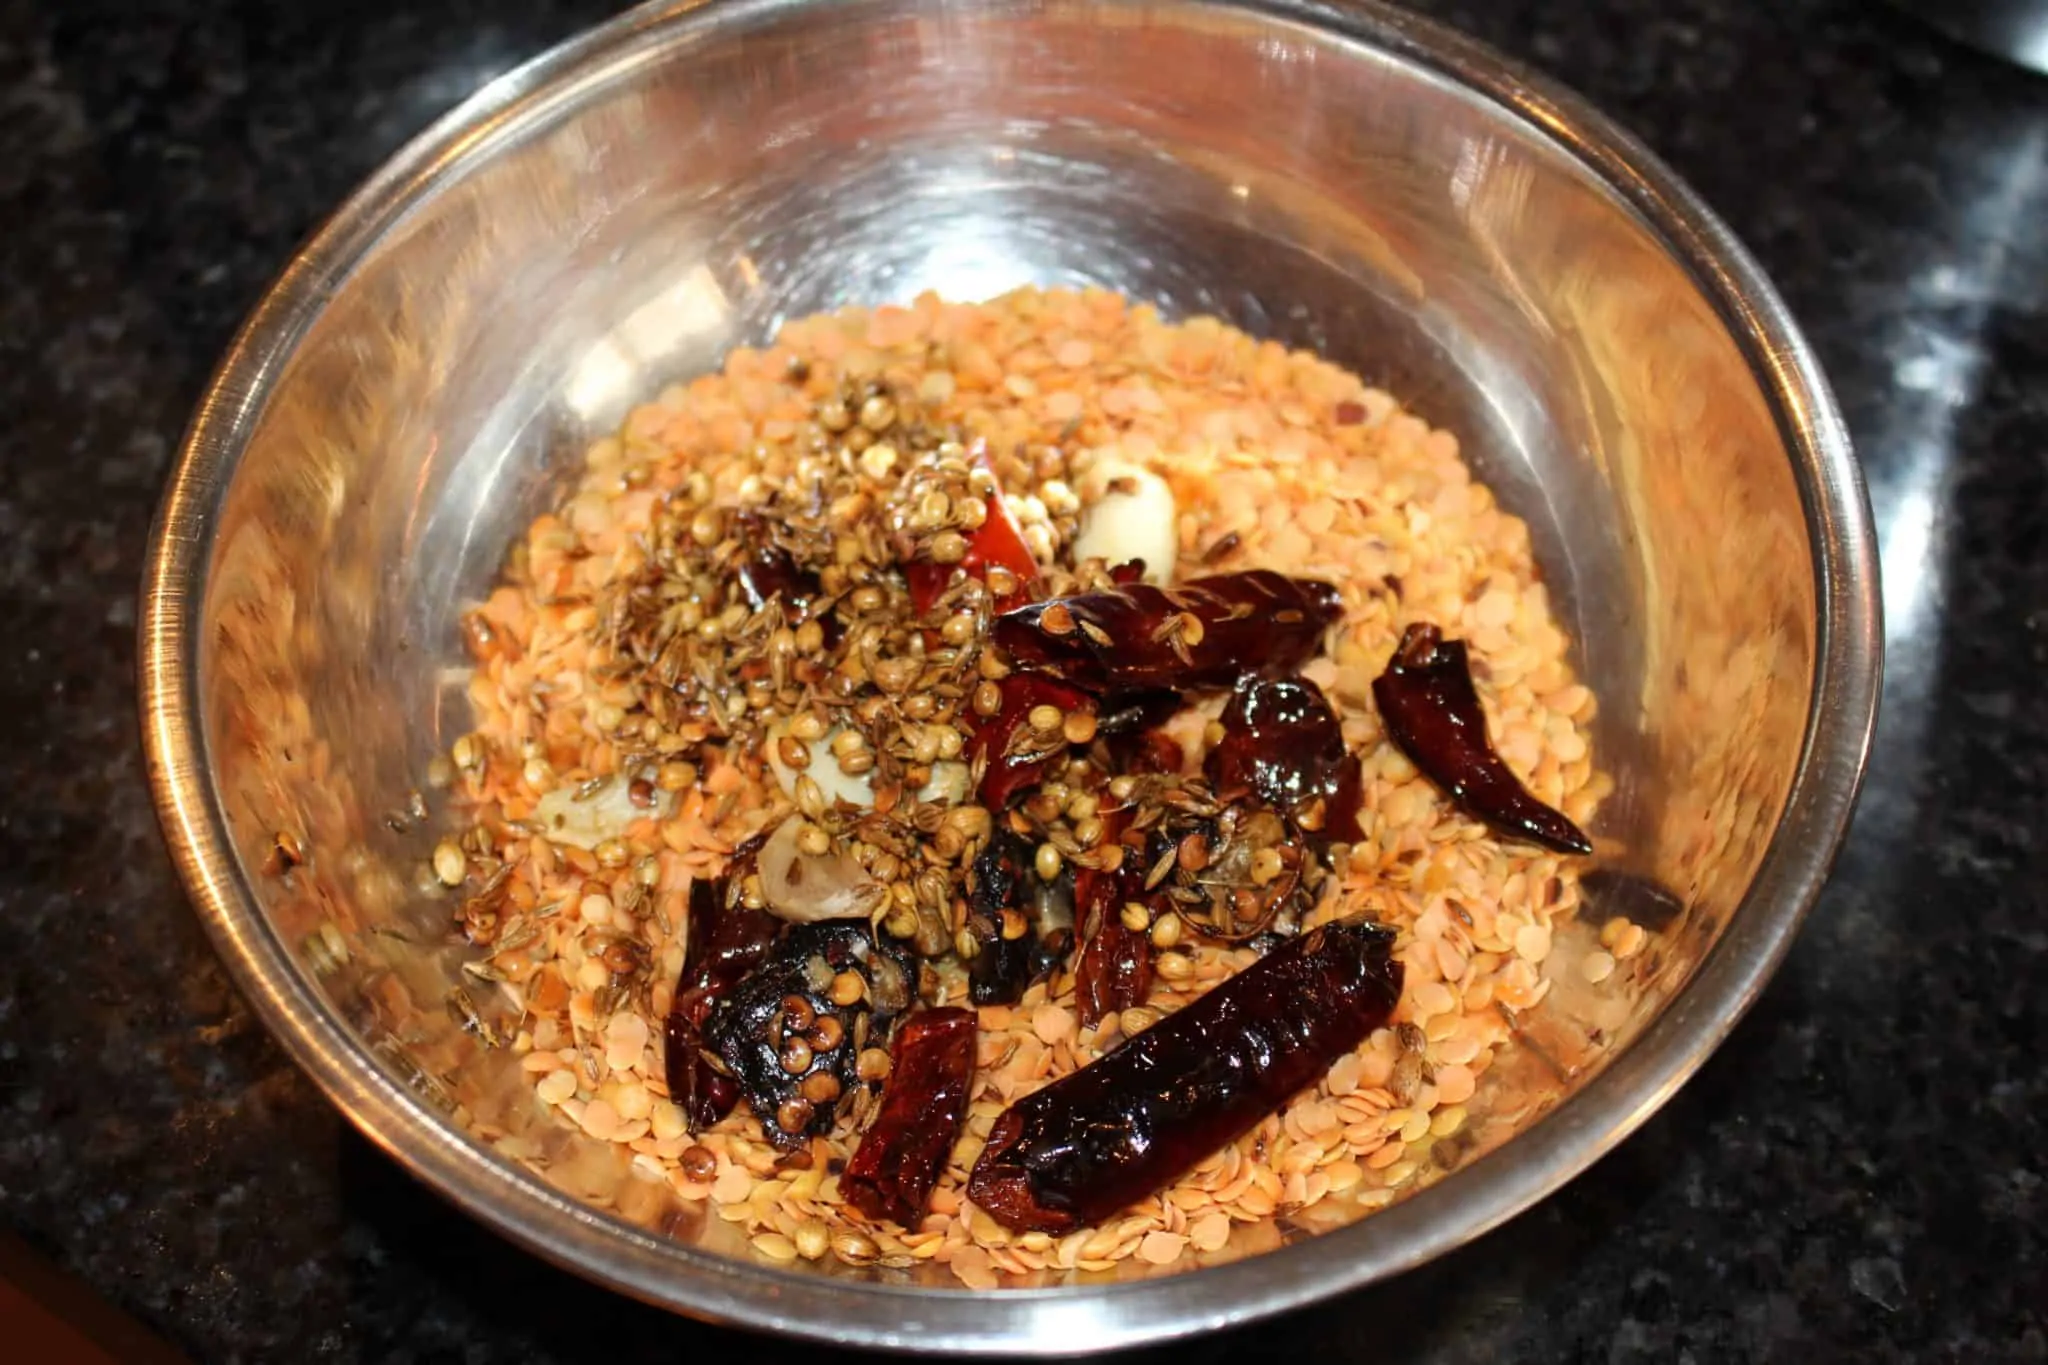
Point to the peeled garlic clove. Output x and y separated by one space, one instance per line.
948 785
805 888
587 821
1130 515
834 781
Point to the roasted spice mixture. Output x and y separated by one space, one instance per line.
653 688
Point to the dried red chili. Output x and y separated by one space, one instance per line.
997 543
1340 815
1147 751
1281 745
1199 634
931 1075
1093 1142
1114 970
1013 753
1431 710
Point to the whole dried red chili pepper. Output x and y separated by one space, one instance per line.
931 1076
997 543
1124 1126
1114 970
1012 751
1197 634
1281 744
727 941
1431 710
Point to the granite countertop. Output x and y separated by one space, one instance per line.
1857 1175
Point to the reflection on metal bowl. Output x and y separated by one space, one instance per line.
2016 30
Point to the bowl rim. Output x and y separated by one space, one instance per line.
1066 1320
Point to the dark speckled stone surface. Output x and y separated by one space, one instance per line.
1858 1175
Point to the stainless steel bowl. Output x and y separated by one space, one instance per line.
618 213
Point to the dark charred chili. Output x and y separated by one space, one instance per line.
727 941
997 542
1199 634
1021 927
790 1033
1012 753
1430 709
931 1074
1120 1128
